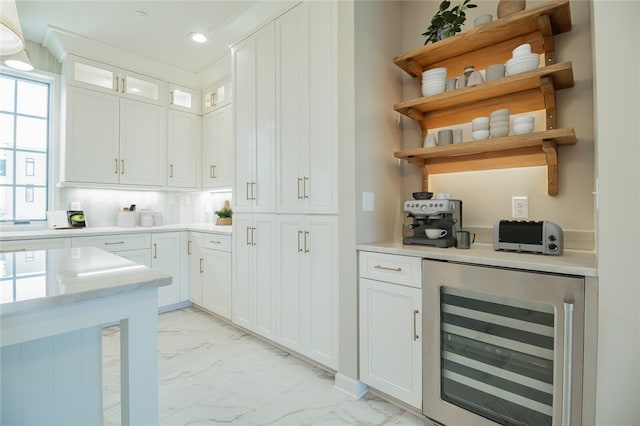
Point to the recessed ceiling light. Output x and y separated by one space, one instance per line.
198 37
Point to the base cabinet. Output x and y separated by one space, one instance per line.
210 284
390 328
307 287
167 253
253 291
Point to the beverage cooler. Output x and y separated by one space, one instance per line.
501 346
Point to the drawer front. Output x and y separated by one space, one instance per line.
114 243
393 268
29 245
216 242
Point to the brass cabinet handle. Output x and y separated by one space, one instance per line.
124 84
306 236
415 329
13 250
171 97
215 242
155 250
388 269
247 190
253 241
214 171
299 194
248 242
299 245
170 170
304 187
116 86
122 170
113 243
253 190
115 168
189 247
201 268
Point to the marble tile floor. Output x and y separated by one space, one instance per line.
211 373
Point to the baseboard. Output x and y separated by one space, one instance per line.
351 387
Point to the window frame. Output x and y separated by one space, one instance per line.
54 143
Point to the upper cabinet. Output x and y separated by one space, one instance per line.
101 77
217 96
183 149
217 148
253 62
306 147
528 91
184 99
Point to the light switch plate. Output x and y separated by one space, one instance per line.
367 202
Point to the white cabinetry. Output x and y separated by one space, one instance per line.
217 96
184 99
210 284
112 140
168 250
184 135
254 122
254 264
305 104
105 78
307 317
390 327
217 152
39 244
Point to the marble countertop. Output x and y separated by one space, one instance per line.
571 262
26 234
46 278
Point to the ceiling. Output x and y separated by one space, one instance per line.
156 29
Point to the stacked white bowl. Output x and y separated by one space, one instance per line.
499 123
434 81
523 124
522 60
480 128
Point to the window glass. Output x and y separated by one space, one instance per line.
24 144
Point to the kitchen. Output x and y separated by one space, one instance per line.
365 141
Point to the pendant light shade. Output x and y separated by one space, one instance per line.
19 61
11 39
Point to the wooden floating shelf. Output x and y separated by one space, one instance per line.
561 75
553 17
534 149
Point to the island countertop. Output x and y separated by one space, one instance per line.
46 278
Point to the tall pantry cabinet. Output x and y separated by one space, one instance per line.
285 182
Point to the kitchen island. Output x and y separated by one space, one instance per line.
53 304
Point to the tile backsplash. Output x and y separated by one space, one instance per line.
102 205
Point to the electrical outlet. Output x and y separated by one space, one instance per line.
520 207
367 202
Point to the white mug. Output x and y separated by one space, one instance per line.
434 234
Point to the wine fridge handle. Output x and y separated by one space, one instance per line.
567 363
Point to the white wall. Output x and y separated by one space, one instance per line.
617 109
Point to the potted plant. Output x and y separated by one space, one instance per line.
446 23
224 214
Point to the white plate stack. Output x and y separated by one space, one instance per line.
434 81
523 60
499 123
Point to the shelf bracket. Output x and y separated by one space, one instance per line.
415 114
550 149
425 178
415 68
544 24
549 95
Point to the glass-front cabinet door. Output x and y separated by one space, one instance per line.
94 75
184 99
217 96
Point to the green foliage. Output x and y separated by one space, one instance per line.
446 23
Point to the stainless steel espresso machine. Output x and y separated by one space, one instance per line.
435 214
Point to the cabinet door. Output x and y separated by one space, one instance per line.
90 74
264 238
142 143
184 99
217 96
90 151
265 138
142 87
293 108
216 282
196 267
242 272
166 258
244 124
291 291
390 340
217 153
322 161
320 244
183 148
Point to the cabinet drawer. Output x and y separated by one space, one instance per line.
216 242
40 244
404 270
118 242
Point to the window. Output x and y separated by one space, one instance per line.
24 145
